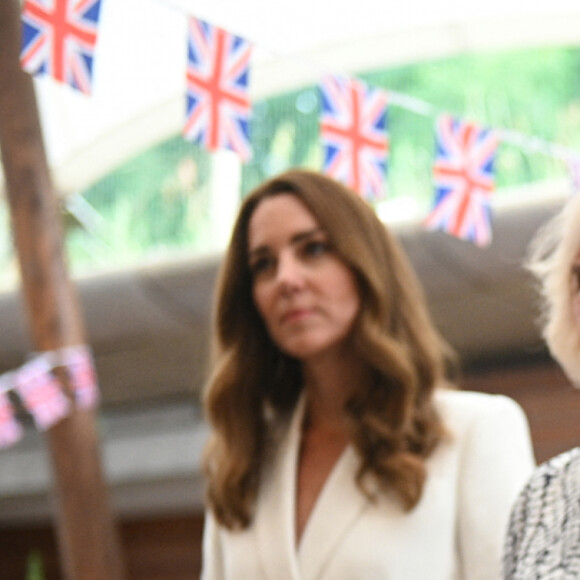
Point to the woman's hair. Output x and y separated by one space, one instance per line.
550 258
394 423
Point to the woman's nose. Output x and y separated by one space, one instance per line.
290 274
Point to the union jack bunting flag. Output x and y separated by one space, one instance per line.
40 393
464 180
59 39
353 132
10 428
78 361
218 106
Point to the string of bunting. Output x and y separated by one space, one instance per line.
40 391
59 39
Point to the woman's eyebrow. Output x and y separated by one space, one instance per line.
304 235
295 239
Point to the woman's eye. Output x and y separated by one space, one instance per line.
260 265
316 248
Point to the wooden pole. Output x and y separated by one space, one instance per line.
87 537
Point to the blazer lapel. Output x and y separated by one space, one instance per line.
340 503
275 514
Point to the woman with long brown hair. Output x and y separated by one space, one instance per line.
339 450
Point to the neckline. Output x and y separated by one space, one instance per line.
326 487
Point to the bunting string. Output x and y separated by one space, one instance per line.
353 116
41 393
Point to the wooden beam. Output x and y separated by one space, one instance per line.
86 531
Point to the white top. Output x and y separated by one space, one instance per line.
456 531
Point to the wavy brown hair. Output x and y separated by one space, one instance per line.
394 425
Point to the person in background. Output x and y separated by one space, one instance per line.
339 449
544 533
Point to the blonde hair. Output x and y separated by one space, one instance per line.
550 258
394 422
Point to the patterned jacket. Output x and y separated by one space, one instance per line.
543 541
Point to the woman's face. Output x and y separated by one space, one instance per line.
575 275
305 294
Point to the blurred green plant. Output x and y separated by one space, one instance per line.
34 567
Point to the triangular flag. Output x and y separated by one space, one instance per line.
353 133
41 393
78 361
218 104
10 428
463 173
59 39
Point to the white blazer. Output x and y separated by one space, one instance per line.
454 533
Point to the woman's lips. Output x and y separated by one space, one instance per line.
296 314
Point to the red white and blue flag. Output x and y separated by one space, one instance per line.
353 131
10 428
78 361
463 174
41 393
59 39
218 105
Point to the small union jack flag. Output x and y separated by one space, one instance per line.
40 393
78 361
10 428
218 106
464 180
353 131
59 39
